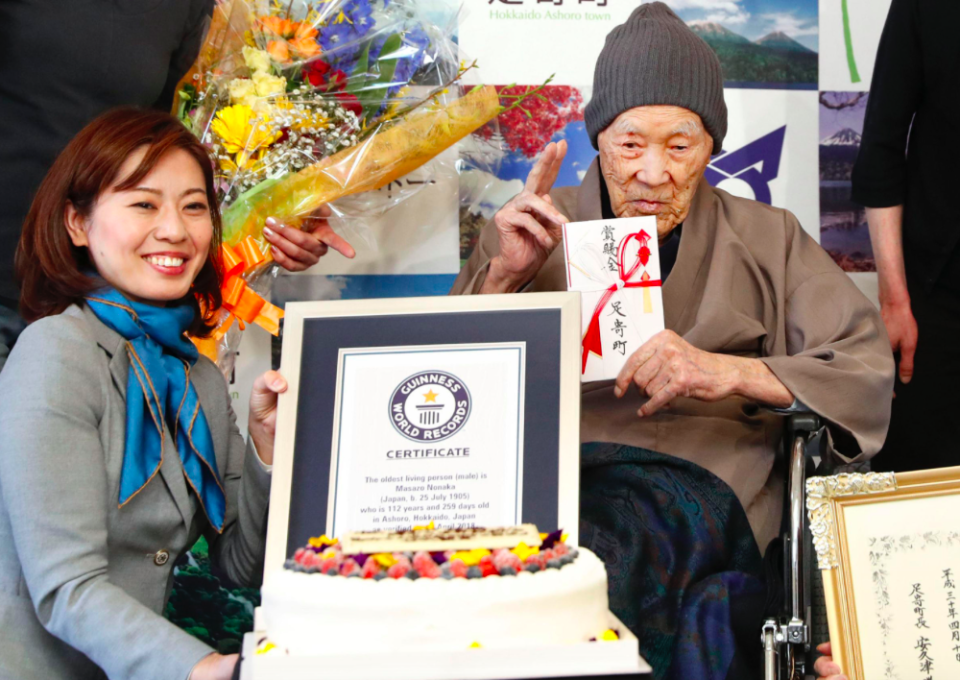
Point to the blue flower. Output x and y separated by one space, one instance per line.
409 56
342 36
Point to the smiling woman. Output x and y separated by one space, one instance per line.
103 394
130 202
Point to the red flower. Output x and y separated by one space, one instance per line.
338 81
316 72
349 102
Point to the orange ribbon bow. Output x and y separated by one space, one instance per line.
239 299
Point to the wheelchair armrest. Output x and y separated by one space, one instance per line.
804 424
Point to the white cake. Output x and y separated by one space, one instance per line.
317 614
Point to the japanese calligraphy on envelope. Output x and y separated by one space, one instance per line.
615 264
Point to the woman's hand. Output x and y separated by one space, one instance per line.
298 249
262 422
214 667
825 668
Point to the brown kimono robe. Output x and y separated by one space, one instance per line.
748 281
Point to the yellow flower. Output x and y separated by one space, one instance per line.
242 133
268 85
427 526
609 635
473 645
471 558
523 551
256 60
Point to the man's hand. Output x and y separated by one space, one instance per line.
824 667
298 249
215 667
528 226
667 366
886 237
902 329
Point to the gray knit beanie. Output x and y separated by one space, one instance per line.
654 58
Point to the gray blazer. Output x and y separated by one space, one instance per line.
83 582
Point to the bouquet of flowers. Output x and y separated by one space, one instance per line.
304 102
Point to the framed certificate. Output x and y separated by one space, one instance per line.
462 411
889 549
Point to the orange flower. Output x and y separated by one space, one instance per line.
305 47
298 37
279 50
282 28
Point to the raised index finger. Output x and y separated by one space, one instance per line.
549 176
541 170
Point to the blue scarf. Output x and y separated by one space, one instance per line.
160 395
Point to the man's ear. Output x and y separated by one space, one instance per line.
76 225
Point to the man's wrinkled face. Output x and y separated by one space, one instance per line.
652 158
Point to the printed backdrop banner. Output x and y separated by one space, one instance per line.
783 146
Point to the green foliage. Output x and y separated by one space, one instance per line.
747 62
372 87
204 608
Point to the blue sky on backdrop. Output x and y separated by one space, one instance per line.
580 154
756 18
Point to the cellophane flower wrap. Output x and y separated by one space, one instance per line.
303 103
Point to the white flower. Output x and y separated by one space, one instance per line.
256 60
242 91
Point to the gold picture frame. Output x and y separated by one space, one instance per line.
888 547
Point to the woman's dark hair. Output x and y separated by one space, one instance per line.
53 272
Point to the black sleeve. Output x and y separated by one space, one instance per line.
880 173
183 58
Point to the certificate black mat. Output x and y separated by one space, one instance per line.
324 337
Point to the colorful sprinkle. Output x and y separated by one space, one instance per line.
548 540
385 560
458 568
321 542
398 570
487 567
268 647
324 555
371 569
523 551
470 557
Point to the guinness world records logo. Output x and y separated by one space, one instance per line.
430 406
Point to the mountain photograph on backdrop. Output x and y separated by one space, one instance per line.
761 43
843 223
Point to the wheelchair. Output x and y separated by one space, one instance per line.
797 622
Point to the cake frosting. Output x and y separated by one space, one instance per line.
326 601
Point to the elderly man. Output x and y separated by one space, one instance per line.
680 464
